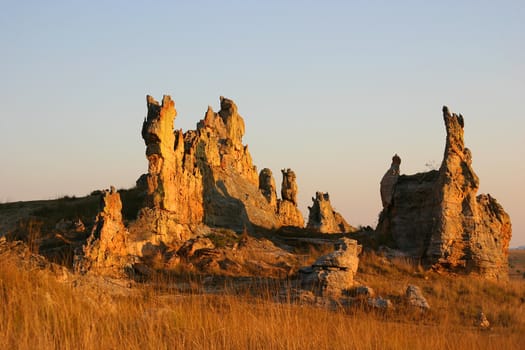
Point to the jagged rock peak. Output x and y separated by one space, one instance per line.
455 143
157 132
324 219
232 120
106 248
201 177
437 216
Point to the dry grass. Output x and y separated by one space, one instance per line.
517 263
37 312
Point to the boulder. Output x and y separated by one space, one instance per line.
332 275
380 303
361 291
482 321
414 297
191 246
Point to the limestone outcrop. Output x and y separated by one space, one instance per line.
106 249
174 191
436 215
389 180
267 187
289 186
231 195
287 210
200 177
333 274
324 219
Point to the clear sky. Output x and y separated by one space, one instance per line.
330 89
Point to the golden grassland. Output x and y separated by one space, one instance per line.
517 263
39 312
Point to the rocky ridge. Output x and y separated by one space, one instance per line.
202 190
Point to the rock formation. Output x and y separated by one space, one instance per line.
289 186
324 219
333 274
200 177
267 187
389 180
437 216
231 192
288 212
106 247
174 191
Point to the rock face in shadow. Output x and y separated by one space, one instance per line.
106 248
267 187
437 216
324 219
287 210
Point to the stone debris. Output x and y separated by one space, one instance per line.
191 246
380 303
65 226
361 291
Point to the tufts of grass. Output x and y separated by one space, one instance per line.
39 312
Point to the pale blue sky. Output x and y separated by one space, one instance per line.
330 89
